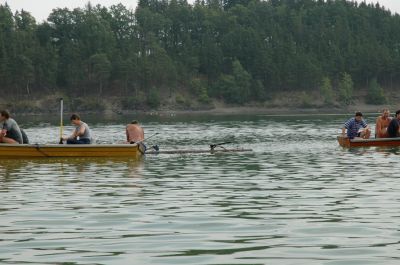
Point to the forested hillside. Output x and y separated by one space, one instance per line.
236 51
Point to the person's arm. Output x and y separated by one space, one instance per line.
365 125
72 136
3 129
346 125
80 131
378 127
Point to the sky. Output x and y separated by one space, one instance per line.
40 9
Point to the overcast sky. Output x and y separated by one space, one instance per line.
40 9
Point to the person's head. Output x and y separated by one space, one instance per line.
4 115
75 119
398 114
134 122
385 113
358 116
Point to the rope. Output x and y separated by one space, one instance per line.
40 150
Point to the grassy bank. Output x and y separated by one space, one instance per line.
279 103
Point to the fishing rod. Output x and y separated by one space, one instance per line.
142 146
147 138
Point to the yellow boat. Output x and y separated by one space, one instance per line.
59 150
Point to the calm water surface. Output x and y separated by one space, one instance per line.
297 199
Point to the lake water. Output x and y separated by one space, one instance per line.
298 198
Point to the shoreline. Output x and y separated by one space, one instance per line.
280 104
273 111
110 108
238 110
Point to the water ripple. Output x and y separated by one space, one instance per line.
297 199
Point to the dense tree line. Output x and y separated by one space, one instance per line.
234 50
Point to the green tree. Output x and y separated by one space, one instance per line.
227 88
346 89
241 50
6 51
199 89
45 58
243 83
376 94
100 69
26 73
234 88
327 91
153 98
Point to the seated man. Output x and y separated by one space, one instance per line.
354 126
134 133
10 133
81 134
393 128
382 122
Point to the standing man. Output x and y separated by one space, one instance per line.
382 123
81 134
354 126
393 128
10 131
134 133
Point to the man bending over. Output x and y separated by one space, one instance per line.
134 132
10 133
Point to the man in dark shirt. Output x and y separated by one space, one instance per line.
393 128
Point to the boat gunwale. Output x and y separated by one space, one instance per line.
373 140
72 146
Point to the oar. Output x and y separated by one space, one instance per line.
61 120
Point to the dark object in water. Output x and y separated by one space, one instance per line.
213 146
156 148
199 151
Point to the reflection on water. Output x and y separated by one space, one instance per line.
299 198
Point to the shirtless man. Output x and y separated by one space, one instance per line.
382 122
10 131
134 133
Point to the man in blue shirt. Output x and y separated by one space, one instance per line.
356 127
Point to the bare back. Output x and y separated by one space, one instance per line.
134 133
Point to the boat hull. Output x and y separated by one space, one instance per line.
89 150
346 142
